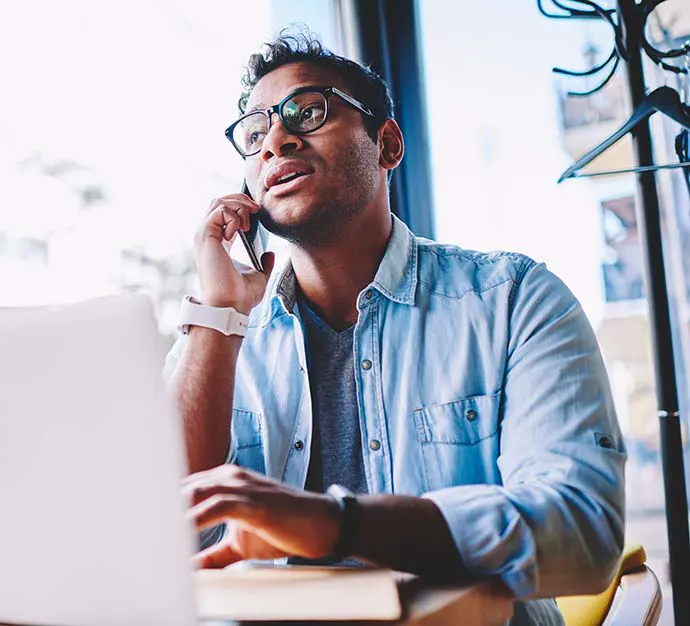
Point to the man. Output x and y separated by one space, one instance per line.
461 395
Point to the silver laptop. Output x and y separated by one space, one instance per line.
92 530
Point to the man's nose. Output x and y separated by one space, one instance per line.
279 141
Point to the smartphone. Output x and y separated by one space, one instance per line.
253 239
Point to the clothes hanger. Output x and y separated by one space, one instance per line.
591 11
664 100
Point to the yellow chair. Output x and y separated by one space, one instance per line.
632 599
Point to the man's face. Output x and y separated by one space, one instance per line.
338 164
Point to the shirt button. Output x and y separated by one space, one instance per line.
368 294
374 444
606 442
366 364
299 445
471 415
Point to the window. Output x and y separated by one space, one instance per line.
622 262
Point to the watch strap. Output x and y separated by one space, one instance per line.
225 320
349 509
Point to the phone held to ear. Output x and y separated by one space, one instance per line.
253 239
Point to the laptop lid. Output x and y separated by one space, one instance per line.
92 530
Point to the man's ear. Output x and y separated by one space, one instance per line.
391 145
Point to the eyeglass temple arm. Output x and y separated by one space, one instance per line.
352 101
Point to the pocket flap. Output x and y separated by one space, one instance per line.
462 422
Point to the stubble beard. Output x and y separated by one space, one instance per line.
326 222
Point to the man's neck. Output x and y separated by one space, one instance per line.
331 277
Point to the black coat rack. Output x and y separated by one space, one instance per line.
628 22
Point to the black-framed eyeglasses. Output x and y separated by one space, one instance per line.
301 112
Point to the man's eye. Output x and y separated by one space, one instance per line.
312 115
254 137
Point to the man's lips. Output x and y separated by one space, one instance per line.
290 185
284 173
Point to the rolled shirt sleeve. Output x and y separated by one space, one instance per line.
556 524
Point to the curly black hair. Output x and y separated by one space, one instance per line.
363 83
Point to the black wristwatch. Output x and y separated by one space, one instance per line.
347 503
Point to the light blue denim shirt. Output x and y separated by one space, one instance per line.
480 385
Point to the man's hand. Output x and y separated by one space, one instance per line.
223 282
266 519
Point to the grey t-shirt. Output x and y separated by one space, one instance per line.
336 446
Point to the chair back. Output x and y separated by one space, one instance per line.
632 599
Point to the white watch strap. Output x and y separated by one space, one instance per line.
225 320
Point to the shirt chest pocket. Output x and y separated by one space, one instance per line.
459 441
247 438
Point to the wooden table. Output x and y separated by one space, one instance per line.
483 604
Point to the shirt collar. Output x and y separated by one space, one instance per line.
396 277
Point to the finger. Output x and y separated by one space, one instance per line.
218 484
192 485
215 204
251 545
226 470
231 223
242 210
234 208
230 231
268 260
205 491
243 214
215 557
236 199
196 477
219 508
216 225
241 197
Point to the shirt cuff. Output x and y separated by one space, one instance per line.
491 536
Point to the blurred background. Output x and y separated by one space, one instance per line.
112 147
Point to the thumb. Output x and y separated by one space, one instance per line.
216 557
268 260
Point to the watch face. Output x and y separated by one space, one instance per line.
338 491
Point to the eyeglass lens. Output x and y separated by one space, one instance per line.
303 113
